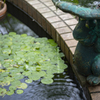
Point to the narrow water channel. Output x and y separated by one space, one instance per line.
65 85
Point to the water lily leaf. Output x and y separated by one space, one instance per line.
26 73
11 92
8 78
19 91
35 76
51 41
42 73
60 71
38 69
23 86
7 51
61 54
62 65
6 83
23 35
4 74
47 80
1 70
28 81
1 78
12 33
49 75
16 83
18 76
12 88
22 55
3 91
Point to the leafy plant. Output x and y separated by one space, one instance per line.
25 56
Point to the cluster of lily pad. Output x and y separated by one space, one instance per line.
29 58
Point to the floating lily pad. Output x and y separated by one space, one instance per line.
18 76
27 73
47 80
7 51
25 56
48 75
12 87
42 73
3 91
16 83
23 35
19 91
12 33
38 69
60 71
11 92
52 42
5 83
34 76
23 86
28 81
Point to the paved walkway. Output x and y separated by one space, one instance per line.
60 26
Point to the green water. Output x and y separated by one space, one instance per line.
85 3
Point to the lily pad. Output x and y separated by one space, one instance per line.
23 35
7 51
23 56
11 92
19 91
28 81
52 42
38 69
42 73
48 75
12 88
47 80
3 91
22 85
12 33
34 76
16 83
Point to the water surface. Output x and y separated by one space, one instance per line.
65 85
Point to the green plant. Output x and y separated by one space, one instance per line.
25 56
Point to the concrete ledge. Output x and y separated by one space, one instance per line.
59 26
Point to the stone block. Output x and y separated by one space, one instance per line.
67 36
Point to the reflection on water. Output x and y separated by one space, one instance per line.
10 24
64 87
86 3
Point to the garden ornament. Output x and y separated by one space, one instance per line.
87 32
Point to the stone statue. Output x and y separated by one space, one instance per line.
87 32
